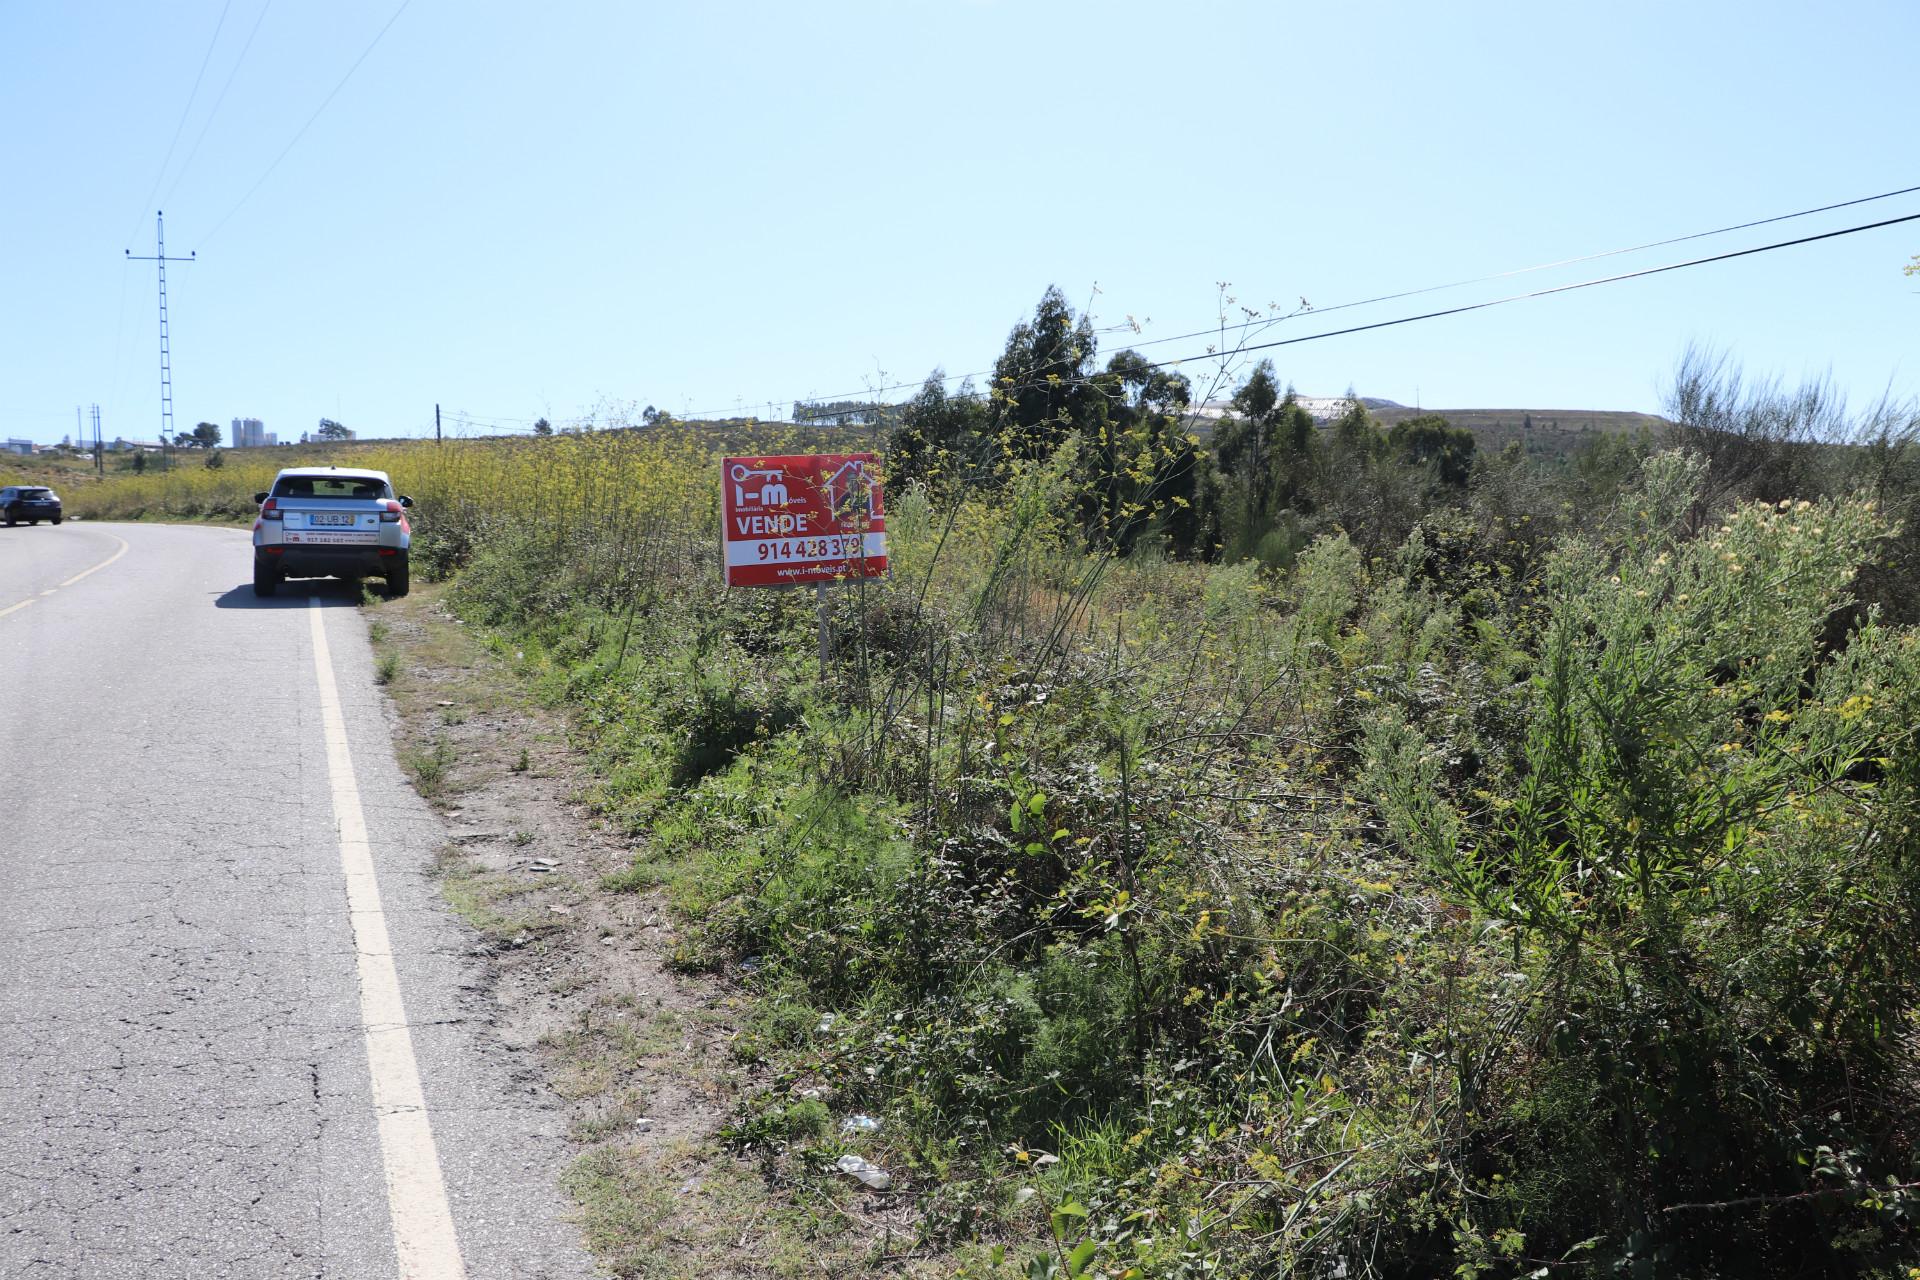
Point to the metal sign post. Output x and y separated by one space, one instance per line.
826 634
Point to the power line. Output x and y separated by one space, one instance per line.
1401 320
1268 321
324 102
1450 311
184 113
1542 293
1518 271
489 419
215 110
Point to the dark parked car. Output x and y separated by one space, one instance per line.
30 502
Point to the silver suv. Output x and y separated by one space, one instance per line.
340 522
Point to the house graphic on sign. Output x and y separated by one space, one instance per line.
847 491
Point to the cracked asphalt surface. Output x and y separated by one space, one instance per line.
183 1082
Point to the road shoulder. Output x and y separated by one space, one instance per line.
640 1055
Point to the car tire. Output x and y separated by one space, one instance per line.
57 519
10 517
264 579
399 578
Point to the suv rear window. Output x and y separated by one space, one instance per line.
329 487
36 493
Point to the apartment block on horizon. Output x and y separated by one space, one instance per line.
251 433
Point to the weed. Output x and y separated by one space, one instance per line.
386 667
780 1124
634 879
611 1120
429 765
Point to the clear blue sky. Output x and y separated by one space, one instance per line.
520 210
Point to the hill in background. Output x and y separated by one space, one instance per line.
1545 434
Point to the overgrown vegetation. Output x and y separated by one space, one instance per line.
1290 848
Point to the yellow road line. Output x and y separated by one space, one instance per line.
103 564
13 608
423 1236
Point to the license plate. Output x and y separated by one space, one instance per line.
331 537
320 518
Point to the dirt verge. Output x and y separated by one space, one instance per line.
642 1055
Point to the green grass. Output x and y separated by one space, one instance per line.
623 1204
485 899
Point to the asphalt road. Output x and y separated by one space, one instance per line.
188 1080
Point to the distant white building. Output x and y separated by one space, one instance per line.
1321 409
17 446
251 433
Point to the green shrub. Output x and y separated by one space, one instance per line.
1703 852
718 718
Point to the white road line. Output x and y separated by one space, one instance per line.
15 608
423 1236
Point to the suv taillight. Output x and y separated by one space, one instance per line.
270 510
392 512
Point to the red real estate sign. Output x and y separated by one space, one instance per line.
805 518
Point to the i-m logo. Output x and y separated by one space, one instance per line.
754 488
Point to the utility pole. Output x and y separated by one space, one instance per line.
99 458
436 424
166 351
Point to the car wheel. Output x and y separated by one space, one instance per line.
10 517
399 578
264 579
56 519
